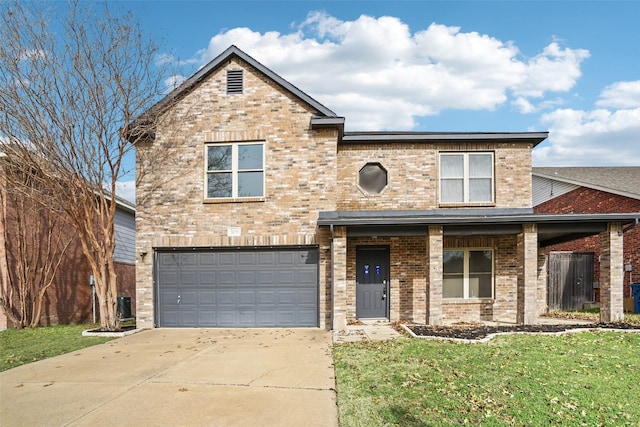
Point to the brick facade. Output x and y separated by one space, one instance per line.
312 168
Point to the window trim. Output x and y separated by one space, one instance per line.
466 178
465 274
234 172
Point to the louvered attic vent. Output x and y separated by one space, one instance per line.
234 81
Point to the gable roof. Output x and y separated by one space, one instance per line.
230 52
623 181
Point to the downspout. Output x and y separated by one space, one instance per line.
332 280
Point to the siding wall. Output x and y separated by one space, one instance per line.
125 235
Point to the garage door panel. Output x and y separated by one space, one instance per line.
240 288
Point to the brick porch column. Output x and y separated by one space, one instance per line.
339 273
435 242
611 273
527 275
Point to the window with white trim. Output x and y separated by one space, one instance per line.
467 273
466 178
234 170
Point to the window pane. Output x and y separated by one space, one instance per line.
250 184
452 286
452 191
219 158
480 262
219 185
452 166
250 156
480 165
480 190
453 262
480 285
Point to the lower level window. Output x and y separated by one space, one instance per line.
468 273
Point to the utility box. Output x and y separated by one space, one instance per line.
635 289
124 307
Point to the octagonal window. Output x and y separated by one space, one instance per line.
372 178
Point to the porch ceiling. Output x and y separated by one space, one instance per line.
552 228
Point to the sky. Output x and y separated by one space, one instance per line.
571 68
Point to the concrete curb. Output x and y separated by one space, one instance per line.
92 333
492 336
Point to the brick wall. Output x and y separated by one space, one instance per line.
413 174
587 200
299 174
409 274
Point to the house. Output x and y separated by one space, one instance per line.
264 212
69 298
575 266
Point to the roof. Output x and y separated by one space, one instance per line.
552 228
520 137
624 181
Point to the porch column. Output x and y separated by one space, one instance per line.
339 276
611 273
527 275
434 281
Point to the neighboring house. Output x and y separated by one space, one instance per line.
68 299
260 210
574 275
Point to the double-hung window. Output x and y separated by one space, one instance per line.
466 178
467 273
234 170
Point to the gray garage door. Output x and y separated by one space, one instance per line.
239 288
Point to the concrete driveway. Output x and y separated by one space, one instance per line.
180 377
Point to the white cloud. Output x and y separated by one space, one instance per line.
621 95
591 138
126 190
173 82
380 75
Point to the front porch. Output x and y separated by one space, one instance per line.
434 269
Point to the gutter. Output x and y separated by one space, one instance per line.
628 227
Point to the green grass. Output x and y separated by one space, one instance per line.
578 379
18 347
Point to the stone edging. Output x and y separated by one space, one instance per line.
92 333
491 336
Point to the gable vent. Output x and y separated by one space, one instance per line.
234 81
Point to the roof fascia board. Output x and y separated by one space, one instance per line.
586 184
518 137
325 220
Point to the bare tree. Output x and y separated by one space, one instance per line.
72 77
37 241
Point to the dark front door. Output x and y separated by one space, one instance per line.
372 282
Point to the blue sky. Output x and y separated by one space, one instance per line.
569 67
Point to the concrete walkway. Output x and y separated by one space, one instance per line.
171 377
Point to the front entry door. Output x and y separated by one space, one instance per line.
372 282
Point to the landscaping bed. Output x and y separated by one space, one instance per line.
477 332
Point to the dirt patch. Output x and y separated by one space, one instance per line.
478 332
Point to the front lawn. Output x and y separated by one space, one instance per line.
588 378
18 347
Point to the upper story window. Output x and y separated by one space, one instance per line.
466 178
372 178
234 170
467 273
